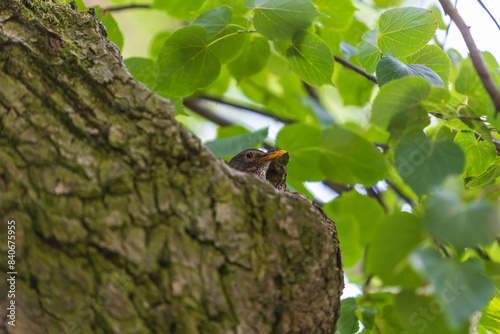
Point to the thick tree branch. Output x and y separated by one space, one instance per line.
197 106
476 56
355 68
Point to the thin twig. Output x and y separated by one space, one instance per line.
375 193
482 254
400 193
487 11
311 91
197 106
120 8
475 55
247 107
448 28
442 248
355 68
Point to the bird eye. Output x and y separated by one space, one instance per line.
249 155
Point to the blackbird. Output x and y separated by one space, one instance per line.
257 162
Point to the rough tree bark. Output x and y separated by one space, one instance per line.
125 222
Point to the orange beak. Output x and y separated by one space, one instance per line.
272 156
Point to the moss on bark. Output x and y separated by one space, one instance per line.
125 222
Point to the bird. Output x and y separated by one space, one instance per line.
258 162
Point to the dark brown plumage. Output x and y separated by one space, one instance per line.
257 162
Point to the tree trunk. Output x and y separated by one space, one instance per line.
125 222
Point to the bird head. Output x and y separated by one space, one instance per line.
254 161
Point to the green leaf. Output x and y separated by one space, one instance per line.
349 158
348 322
182 9
404 31
387 3
142 69
311 58
157 43
468 82
368 52
115 35
252 59
462 225
434 58
355 227
225 147
460 285
437 13
280 19
479 154
421 314
185 63
399 96
388 256
490 317
304 144
390 68
424 164
354 88
223 38
368 314
487 177
340 13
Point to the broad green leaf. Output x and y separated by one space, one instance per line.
340 13
468 82
115 35
420 314
182 9
311 59
349 158
368 52
237 6
462 225
225 147
348 322
490 317
352 35
388 256
487 177
368 315
231 131
345 210
354 88
424 164
280 19
304 144
437 13
220 86
434 58
388 3
460 285
404 95
157 43
404 31
185 63
479 154
222 37
252 59
142 69
390 68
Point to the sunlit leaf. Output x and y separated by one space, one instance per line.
404 31
479 154
368 52
185 55
340 13
424 164
349 158
311 59
252 59
280 19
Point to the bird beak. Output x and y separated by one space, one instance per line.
272 156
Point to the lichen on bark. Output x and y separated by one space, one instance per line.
125 222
